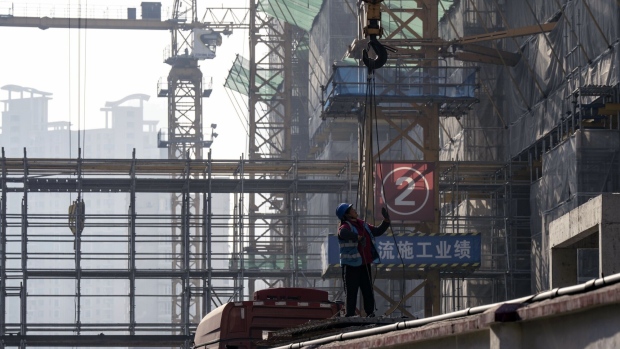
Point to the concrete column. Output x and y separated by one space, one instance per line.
609 248
432 293
505 336
563 269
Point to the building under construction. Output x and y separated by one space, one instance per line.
504 115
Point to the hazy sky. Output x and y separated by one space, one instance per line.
86 68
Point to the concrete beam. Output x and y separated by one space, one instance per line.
609 248
597 216
576 224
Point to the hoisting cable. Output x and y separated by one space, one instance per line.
362 135
372 30
79 77
85 27
368 107
76 212
368 100
380 177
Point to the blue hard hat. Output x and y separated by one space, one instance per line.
342 209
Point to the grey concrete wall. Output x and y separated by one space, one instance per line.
575 229
586 320
597 328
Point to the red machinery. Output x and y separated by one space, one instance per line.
242 324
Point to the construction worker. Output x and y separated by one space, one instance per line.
357 252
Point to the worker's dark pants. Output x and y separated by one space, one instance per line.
355 278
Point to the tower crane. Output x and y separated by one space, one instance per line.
424 50
427 48
192 40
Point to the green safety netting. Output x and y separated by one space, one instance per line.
239 78
302 48
390 24
300 13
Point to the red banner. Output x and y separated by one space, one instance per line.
406 190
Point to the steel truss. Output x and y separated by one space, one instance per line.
28 262
273 116
138 263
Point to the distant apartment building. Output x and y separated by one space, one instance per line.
104 246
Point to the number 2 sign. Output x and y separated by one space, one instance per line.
406 190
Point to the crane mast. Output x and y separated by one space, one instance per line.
185 141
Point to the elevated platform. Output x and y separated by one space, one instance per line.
165 176
453 88
226 176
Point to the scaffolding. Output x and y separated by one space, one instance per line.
497 138
516 145
116 256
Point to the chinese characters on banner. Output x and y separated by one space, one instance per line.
406 190
435 249
461 249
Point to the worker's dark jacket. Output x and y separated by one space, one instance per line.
348 240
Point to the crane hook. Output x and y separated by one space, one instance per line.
380 51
